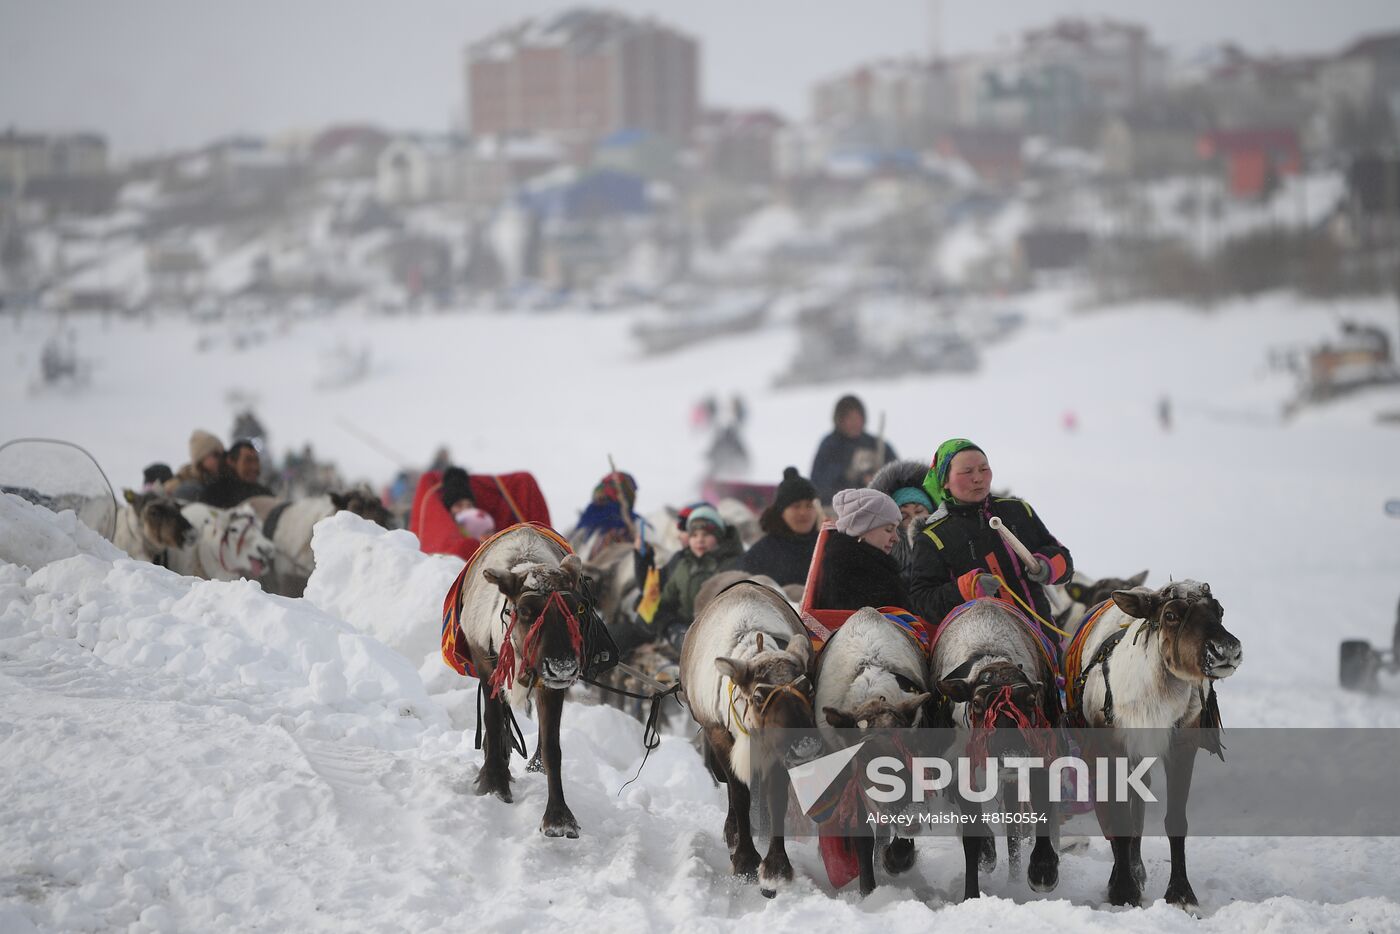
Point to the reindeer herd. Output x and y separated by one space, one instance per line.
259 539
1144 659
1134 662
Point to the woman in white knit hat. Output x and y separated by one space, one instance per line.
857 568
206 463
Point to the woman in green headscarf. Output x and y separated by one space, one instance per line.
958 556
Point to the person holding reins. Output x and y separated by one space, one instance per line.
961 553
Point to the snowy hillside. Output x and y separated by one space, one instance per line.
190 756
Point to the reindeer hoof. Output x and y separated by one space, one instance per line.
494 783
559 823
744 865
1181 895
569 830
899 856
1124 892
1044 875
774 875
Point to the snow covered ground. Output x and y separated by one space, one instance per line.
187 756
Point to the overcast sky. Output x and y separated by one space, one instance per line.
154 74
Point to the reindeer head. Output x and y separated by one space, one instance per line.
984 681
548 609
162 523
243 549
365 505
1194 643
879 713
773 691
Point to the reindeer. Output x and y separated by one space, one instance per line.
229 544
520 619
193 539
746 666
999 682
289 524
149 527
872 676
1148 664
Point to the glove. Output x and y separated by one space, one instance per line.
978 583
1041 572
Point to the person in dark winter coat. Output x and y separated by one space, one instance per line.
237 479
958 556
784 553
857 568
711 547
849 456
903 481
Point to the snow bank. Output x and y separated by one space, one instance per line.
230 639
34 536
381 583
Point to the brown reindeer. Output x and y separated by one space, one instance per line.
150 526
1146 669
521 619
746 666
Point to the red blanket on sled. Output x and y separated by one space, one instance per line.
509 498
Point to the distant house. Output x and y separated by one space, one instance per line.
347 151
1150 143
414 169
637 152
1254 160
597 195
495 167
740 146
995 155
175 270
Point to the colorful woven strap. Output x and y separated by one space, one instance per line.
454 642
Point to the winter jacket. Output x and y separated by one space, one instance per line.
855 575
894 476
957 540
189 481
833 468
229 491
785 557
689 575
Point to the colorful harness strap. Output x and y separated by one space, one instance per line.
1074 653
454 642
1048 649
912 626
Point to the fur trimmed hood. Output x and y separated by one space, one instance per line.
898 474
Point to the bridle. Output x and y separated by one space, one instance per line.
505 674
799 687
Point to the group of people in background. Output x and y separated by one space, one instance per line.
908 534
219 477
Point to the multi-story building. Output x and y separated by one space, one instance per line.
1116 63
584 74
61 173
